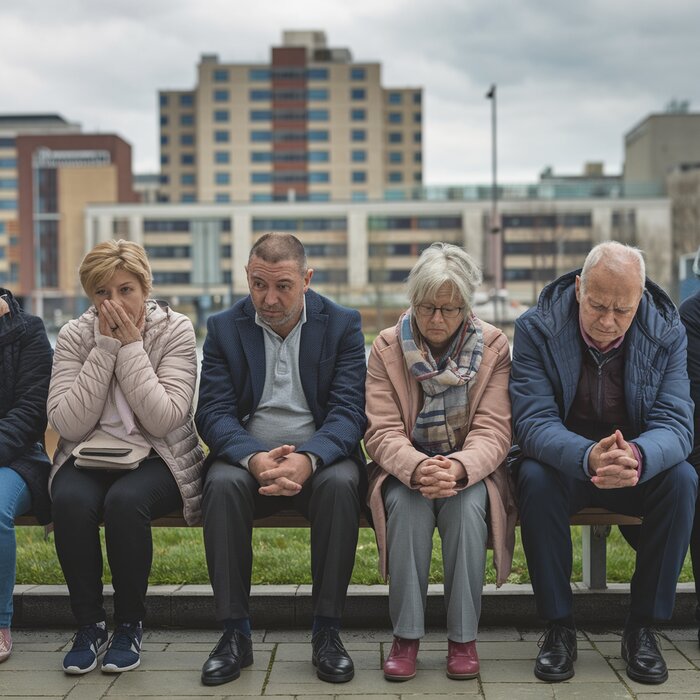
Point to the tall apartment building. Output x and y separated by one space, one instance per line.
311 125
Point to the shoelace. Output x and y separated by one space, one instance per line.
560 638
331 642
649 639
85 637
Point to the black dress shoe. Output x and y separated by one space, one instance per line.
555 662
333 664
232 652
641 653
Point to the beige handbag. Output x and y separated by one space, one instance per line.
102 451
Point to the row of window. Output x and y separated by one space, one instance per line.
8 162
177 225
9 183
560 247
258 135
7 142
547 220
224 157
8 204
410 223
186 99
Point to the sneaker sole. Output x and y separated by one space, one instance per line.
111 668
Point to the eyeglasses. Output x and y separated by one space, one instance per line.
428 310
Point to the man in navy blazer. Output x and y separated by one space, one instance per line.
281 408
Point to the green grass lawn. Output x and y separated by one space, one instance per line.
282 556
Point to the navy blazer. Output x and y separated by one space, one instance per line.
332 368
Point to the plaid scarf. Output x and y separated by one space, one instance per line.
445 386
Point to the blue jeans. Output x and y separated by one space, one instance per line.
14 500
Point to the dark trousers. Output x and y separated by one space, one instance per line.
330 500
547 498
126 502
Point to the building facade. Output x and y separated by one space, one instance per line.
362 253
310 125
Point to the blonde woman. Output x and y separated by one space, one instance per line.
125 371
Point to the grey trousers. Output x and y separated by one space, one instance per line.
461 522
330 499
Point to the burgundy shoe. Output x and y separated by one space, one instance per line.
462 660
400 665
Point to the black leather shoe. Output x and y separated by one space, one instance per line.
232 652
333 664
555 662
640 651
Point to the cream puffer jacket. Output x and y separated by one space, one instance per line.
158 378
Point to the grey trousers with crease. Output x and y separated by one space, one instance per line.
461 522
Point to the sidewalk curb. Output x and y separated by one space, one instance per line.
192 606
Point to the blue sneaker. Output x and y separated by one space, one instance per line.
89 643
124 652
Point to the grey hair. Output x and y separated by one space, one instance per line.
613 256
443 263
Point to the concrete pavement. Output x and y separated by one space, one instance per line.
172 661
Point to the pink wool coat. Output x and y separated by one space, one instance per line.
394 399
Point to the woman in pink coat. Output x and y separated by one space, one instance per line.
438 432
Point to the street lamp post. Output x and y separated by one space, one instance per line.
496 247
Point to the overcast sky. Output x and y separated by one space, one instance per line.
572 77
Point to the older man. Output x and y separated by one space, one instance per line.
603 416
281 407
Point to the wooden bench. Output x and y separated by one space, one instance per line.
595 526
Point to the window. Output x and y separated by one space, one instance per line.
187 139
187 120
222 198
358 74
320 94
317 156
358 135
222 157
220 75
417 157
395 98
359 196
8 183
319 197
187 159
222 178
395 176
186 99
358 115
163 100
163 120
165 225
164 159
258 74
222 136
358 156
221 95
221 115
417 117
164 140
395 118
261 136
417 98
260 95
261 157
359 176
317 115
260 115
395 137
417 178
161 252
318 135
319 176
7 142
395 157
187 179
260 178
261 197
317 73
188 198
171 277
417 138
358 94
